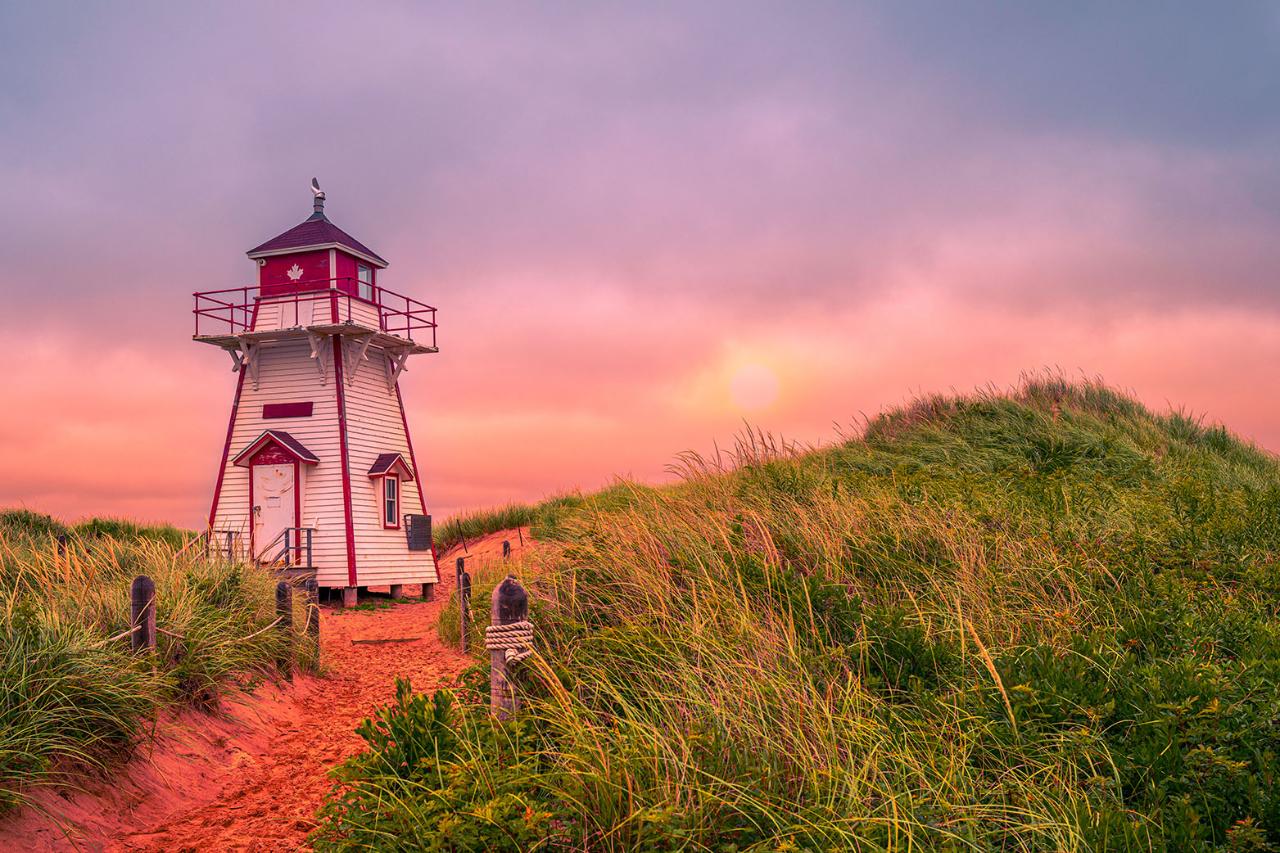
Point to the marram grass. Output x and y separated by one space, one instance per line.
1036 621
73 699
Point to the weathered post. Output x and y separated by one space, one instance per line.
142 614
506 549
464 602
508 638
313 613
284 627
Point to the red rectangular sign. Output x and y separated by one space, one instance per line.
287 410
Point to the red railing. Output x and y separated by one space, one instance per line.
232 311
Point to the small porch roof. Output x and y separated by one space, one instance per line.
283 440
388 463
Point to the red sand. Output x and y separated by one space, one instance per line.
252 777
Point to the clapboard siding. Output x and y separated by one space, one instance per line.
288 374
314 309
358 311
376 426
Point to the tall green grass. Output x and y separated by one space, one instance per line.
1041 620
469 526
473 525
71 698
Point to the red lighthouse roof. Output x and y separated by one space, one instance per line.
315 232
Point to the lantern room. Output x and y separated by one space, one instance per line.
317 254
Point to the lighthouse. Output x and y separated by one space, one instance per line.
318 476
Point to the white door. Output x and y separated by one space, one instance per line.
273 507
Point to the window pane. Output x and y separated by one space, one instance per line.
365 275
390 487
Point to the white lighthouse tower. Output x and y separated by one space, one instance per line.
318 475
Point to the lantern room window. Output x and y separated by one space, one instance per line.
364 273
390 501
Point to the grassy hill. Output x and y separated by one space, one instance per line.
1045 620
71 698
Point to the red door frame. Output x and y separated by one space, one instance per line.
297 500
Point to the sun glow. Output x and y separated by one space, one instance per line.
753 387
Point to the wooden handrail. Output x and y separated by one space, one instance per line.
286 548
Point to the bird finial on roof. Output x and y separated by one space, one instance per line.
319 200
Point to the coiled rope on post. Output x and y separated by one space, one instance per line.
515 639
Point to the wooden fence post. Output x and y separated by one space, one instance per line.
509 607
313 613
284 613
142 614
464 602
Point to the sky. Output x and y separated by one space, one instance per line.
643 225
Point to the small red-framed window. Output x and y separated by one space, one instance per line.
364 282
391 501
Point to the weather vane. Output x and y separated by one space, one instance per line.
319 194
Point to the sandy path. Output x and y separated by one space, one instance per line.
252 777
267 802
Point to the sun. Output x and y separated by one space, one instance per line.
753 387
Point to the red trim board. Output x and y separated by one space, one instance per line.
253 522
226 451
346 459
297 509
422 500
231 426
417 476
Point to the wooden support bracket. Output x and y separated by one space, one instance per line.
249 358
317 352
395 363
352 356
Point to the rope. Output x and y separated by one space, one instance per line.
279 619
119 636
516 639
160 630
